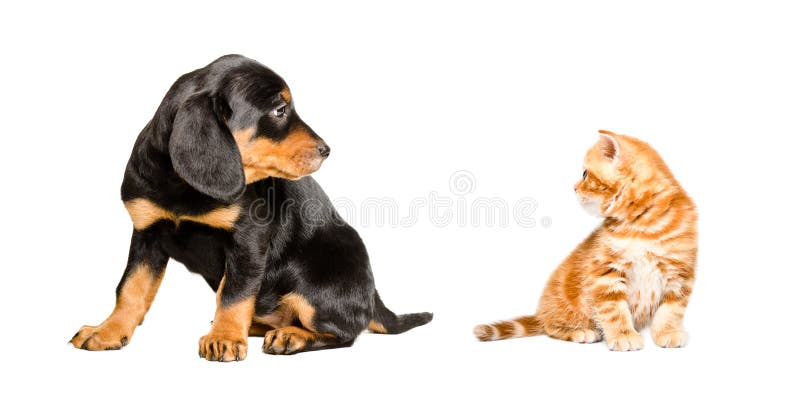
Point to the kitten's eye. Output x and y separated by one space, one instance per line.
280 112
585 174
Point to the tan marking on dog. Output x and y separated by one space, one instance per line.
292 306
376 327
291 339
302 310
282 337
283 316
292 158
286 95
133 302
227 339
220 218
145 213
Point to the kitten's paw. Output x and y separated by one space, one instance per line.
625 341
670 338
585 336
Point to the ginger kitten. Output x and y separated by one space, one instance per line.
636 269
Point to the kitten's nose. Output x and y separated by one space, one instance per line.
324 150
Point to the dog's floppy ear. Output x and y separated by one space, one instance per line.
203 150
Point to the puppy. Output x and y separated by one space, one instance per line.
217 180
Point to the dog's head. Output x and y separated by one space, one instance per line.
235 124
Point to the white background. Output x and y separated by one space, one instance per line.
406 95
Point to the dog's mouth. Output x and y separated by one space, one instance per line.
306 162
296 156
302 163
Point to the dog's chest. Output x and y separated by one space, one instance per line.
645 281
145 213
197 240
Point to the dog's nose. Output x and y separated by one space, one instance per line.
324 150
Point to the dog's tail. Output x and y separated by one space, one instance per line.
516 328
384 321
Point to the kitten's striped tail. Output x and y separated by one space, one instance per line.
516 328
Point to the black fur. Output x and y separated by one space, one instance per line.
186 161
203 151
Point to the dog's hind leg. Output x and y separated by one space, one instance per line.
300 328
292 339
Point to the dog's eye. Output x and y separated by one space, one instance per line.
280 112
585 174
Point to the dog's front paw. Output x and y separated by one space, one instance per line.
625 341
670 338
106 336
221 347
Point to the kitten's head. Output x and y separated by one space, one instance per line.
619 168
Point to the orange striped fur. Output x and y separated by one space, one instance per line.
636 269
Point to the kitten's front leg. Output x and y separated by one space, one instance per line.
667 327
610 303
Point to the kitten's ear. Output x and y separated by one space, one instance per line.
609 147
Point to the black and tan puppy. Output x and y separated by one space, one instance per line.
217 181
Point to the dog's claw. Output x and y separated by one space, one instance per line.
222 348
